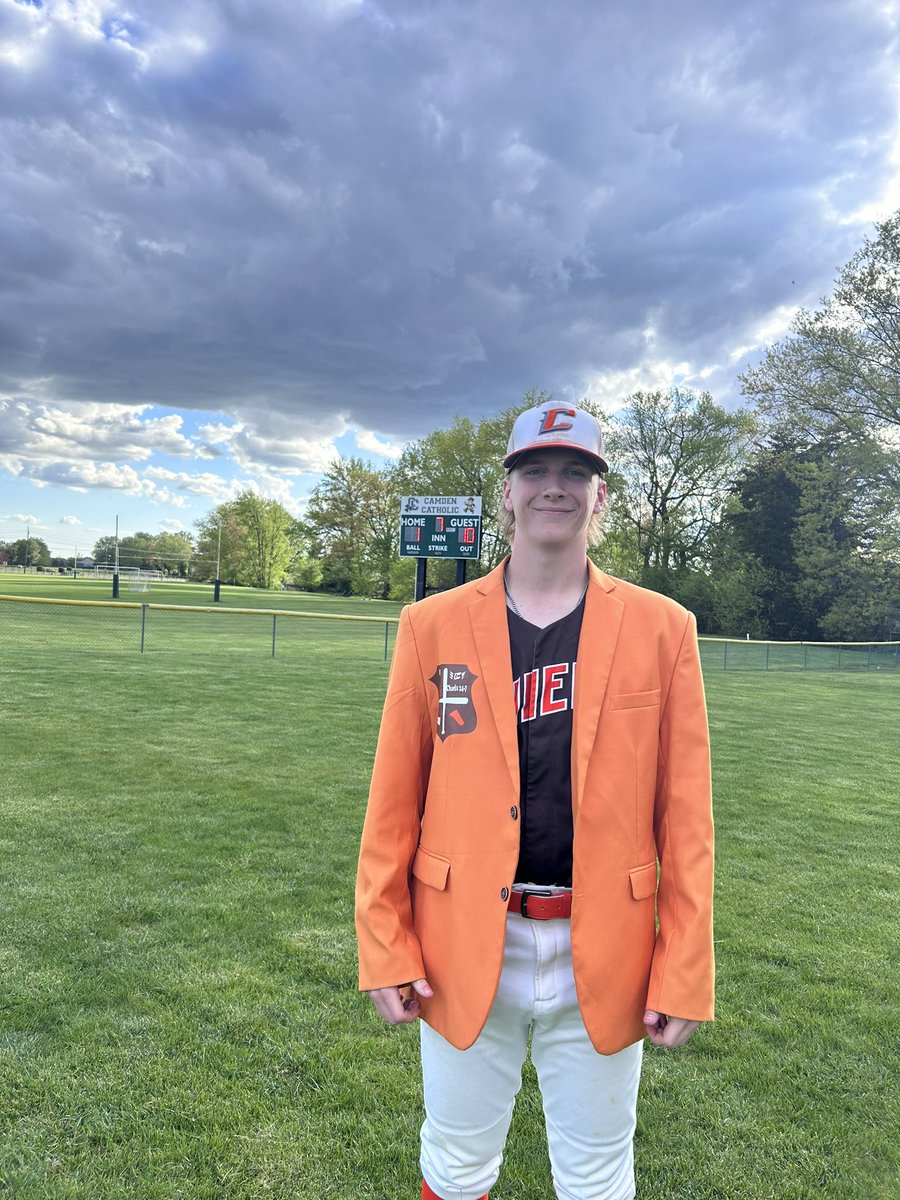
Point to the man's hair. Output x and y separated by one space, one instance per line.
506 520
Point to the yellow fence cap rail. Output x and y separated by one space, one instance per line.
73 603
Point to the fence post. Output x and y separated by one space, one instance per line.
840 648
869 657
385 640
274 619
805 654
725 658
144 608
767 656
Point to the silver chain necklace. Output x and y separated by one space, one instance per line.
512 603
509 599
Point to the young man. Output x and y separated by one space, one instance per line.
537 851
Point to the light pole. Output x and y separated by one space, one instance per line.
218 582
217 588
115 591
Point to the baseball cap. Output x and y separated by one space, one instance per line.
556 426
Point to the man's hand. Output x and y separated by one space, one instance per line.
392 1006
668 1031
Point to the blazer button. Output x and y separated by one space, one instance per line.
514 813
504 893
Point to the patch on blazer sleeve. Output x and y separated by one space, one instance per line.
456 708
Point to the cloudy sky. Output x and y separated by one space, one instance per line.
238 237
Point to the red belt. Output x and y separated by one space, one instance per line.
541 905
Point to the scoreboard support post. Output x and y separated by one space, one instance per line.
422 576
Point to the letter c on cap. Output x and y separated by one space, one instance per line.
550 424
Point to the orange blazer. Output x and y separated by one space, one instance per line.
441 838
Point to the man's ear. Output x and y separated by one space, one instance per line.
507 503
601 497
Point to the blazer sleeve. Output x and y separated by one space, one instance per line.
389 952
682 971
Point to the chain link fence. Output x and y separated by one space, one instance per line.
727 654
131 627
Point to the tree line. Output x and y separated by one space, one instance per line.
778 520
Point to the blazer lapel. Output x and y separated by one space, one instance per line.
489 627
596 651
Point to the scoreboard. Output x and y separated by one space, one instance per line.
440 526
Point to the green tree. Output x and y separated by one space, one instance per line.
818 525
762 522
31 551
260 541
105 550
219 535
675 456
171 552
269 545
353 523
840 365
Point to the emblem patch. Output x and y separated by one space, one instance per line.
456 709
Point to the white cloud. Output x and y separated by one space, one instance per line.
197 226
612 389
69 521
38 431
108 476
198 484
271 443
366 440
276 487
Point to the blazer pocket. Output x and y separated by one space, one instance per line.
634 699
431 869
643 881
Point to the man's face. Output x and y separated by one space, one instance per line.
553 494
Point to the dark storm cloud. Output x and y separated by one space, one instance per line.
397 211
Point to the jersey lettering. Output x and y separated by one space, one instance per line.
529 690
543 692
552 683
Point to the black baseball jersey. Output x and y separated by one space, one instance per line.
543 663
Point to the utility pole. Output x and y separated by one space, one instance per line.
115 591
218 583
27 540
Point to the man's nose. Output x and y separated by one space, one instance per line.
553 484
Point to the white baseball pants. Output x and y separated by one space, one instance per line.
589 1098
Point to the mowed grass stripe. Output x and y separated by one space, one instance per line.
62 587
178 1014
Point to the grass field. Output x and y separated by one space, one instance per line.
62 587
236 625
175 620
178 1015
